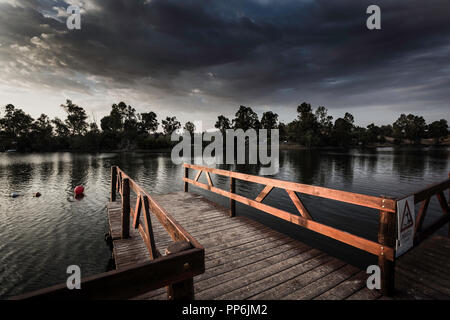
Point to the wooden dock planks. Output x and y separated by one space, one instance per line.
247 260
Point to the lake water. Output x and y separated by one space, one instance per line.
40 237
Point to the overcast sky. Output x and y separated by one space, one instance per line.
197 59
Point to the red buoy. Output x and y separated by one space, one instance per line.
79 190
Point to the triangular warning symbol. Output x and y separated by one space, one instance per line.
407 220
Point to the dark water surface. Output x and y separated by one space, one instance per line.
40 237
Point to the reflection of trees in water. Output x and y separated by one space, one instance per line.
46 170
372 162
126 162
344 164
438 160
417 163
325 172
94 166
63 162
407 164
367 160
307 166
150 167
169 172
79 171
20 174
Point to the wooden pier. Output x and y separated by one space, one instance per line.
183 246
247 260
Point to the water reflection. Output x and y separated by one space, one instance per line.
19 175
46 171
409 164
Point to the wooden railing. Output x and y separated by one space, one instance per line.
384 248
145 204
184 259
424 196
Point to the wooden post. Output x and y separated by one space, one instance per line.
125 208
232 202
113 183
151 245
183 290
386 236
186 175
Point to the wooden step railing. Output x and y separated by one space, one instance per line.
184 259
384 247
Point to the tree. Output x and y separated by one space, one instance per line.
269 120
360 136
342 130
282 131
107 124
60 128
349 118
307 119
307 126
189 127
113 123
292 131
399 128
223 123
372 133
438 130
245 119
93 128
325 121
120 119
117 115
386 131
92 139
130 121
410 127
149 123
41 136
325 124
16 123
43 126
76 118
170 124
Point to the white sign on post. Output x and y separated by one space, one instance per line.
406 222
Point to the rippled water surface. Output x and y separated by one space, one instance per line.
40 237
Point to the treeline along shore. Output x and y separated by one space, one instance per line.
126 129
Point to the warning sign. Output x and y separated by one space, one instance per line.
407 220
405 225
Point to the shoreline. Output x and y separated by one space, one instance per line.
385 145
283 146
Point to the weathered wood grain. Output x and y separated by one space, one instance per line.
247 260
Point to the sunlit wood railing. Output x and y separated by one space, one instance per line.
384 247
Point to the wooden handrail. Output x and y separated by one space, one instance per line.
145 204
430 190
130 281
174 229
379 203
384 248
424 196
304 219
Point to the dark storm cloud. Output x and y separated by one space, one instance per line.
240 52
